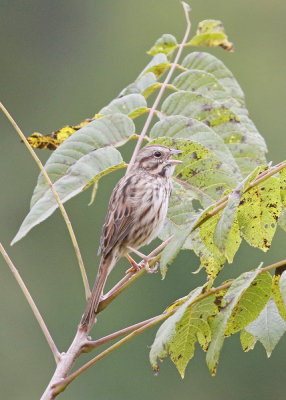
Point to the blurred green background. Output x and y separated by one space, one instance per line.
61 61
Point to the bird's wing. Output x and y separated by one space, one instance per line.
120 216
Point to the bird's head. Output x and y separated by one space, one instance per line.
157 159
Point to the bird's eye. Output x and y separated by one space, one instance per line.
157 154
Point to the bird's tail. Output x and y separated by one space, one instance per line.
88 317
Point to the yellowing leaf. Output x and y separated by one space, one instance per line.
219 323
283 186
54 139
250 304
211 33
178 334
276 292
137 112
247 340
258 213
192 327
165 44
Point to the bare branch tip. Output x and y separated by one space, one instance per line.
186 6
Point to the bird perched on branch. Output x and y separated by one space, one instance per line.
136 212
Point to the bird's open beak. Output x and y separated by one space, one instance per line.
175 152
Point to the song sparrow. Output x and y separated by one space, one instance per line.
136 212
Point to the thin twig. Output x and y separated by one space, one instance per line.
32 304
163 87
60 204
131 277
58 387
61 386
96 343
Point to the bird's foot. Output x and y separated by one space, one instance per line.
143 264
150 270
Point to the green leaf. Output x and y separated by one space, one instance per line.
165 44
192 327
86 169
179 333
283 186
181 214
279 287
247 340
114 130
211 33
268 327
258 213
200 107
209 63
166 332
244 141
283 287
212 260
251 303
180 127
201 82
202 172
282 219
228 120
226 235
125 105
219 324
158 65
142 84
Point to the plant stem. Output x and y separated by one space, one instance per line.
162 89
131 277
61 386
58 387
32 304
60 204
96 343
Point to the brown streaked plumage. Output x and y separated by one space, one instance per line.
136 212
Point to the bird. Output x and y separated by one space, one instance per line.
137 209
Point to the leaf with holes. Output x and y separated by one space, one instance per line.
219 323
178 334
251 303
226 235
258 213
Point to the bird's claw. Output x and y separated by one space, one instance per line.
150 270
143 264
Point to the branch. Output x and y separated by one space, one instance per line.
60 204
61 386
96 343
81 341
163 87
32 304
131 277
